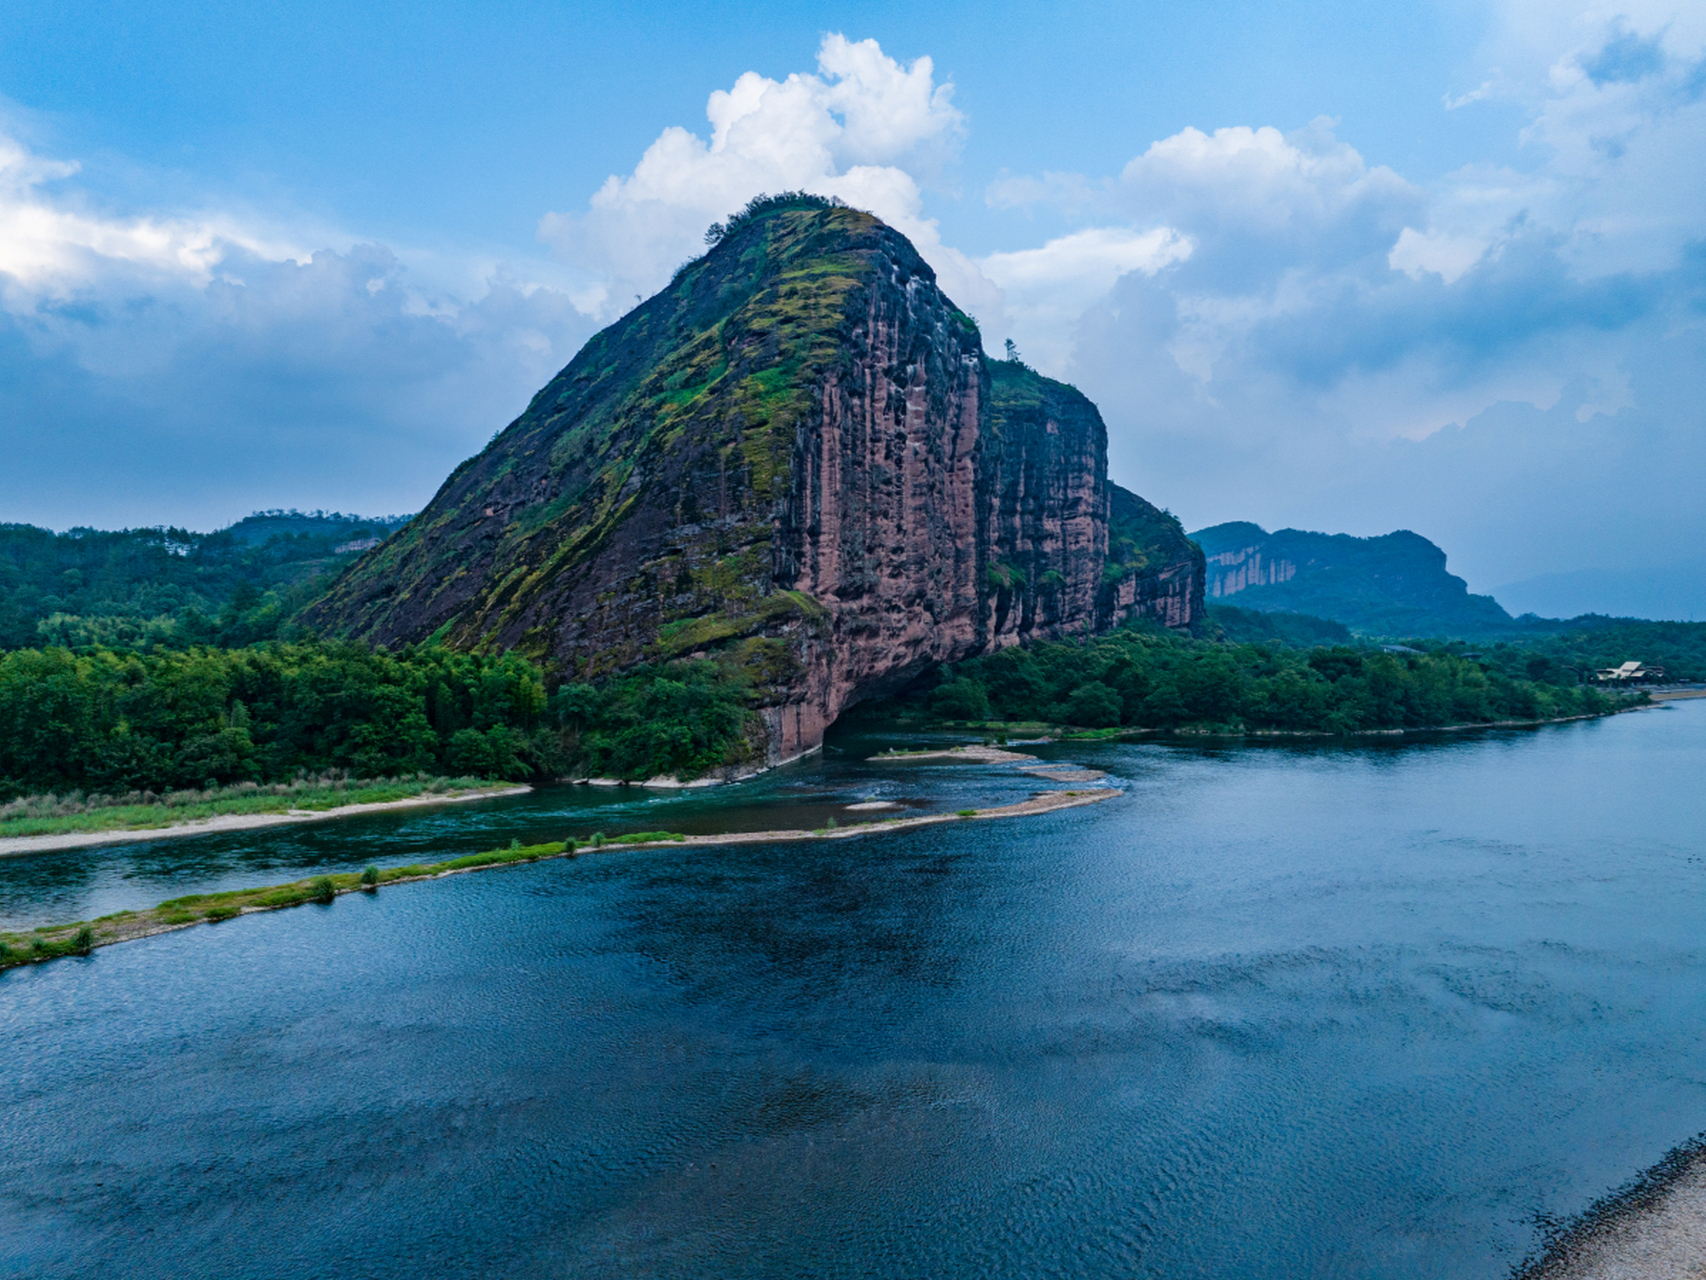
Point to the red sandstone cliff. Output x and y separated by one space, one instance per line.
798 457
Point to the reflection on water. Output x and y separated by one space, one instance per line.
1276 1011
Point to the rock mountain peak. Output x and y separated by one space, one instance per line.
797 457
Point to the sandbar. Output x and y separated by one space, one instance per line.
128 926
975 753
13 846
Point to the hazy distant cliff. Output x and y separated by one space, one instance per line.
1393 584
795 455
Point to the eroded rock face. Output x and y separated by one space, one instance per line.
1046 463
796 456
883 523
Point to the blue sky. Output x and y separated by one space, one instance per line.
1328 265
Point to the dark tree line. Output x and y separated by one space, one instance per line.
1151 679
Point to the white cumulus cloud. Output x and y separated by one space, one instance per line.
52 247
864 128
1046 290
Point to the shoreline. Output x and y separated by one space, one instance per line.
1122 735
18 846
1652 1227
79 938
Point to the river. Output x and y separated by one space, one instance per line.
1278 1010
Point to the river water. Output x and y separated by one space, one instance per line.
1274 1011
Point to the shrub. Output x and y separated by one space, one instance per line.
323 889
370 877
1093 706
960 700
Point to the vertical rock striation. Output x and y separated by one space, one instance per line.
795 456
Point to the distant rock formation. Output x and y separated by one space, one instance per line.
797 457
1395 584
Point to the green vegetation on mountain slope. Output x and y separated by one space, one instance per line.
170 587
1295 630
683 414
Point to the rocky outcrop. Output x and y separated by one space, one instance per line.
795 457
1045 463
1153 570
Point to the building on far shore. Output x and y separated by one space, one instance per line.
1631 673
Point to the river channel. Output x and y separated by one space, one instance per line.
1277 1010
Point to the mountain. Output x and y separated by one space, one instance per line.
795 457
1395 584
168 585
1675 591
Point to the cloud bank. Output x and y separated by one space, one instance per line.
191 368
1507 358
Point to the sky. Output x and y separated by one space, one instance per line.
1332 266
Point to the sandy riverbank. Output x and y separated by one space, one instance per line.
12 846
1652 1229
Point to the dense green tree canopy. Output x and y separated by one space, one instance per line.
1153 679
101 719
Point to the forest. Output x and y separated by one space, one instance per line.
113 720
1145 678
173 588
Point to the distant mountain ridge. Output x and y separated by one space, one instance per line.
1675 591
1394 584
171 585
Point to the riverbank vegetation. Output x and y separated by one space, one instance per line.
680 719
116 721
132 726
1145 678
79 938
200 731
1575 650
75 811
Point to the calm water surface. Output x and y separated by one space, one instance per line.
1273 1012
